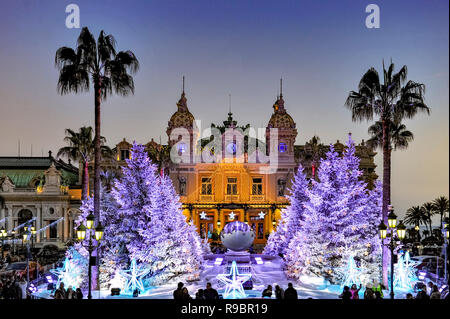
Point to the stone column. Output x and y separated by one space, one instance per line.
9 224
269 221
66 224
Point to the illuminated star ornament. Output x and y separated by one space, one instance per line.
67 274
202 215
261 215
133 277
233 282
231 216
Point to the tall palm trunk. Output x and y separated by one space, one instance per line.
85 180
97 156
386 194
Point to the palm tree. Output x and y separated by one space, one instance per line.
390 101
428 211
399 136
81 149
415 216
160 155
441 206
108 178
108 70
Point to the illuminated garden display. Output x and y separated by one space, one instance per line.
327 237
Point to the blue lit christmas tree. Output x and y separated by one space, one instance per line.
339 221
289 224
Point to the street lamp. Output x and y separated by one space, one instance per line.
13 236
445 234
26 236
3 235
82 231
401 232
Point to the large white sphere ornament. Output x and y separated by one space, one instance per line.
237 236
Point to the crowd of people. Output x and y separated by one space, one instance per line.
280 293
182 293
69 293
13 287
425 292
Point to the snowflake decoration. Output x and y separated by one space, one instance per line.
261 215
233 282
231 216
351 273
133 277
202 215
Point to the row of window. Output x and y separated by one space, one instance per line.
257 186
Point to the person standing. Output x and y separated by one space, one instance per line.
267 293
178 293
60 293
210 292
200 294
435 294
422 294
346 294
70 294
78 294
185 294
355 291
290 292
23 288
279 292
369 294
379 288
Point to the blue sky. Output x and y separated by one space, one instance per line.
242 48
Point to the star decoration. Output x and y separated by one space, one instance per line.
231 216
202 215
134 276
233 282
68 274
261 215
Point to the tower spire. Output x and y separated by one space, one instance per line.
183 84
281 87
229 102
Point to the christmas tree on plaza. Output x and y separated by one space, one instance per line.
170 247
339 222
112 254
289 224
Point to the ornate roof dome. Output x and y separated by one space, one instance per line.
182 117
280 118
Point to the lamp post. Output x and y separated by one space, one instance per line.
26 239
13 236
81 234
401 232
3 235
445 233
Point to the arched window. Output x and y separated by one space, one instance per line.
281 186
23 216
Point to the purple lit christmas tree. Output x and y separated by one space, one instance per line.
169 246
340 221
289 224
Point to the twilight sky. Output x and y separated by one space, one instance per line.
237 47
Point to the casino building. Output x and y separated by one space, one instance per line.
234 187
